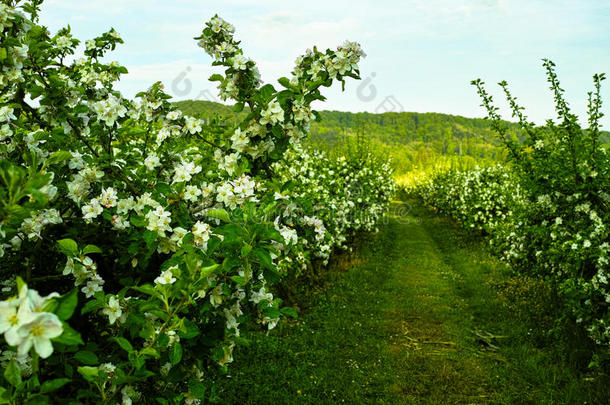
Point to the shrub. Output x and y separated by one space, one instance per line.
155 234
481 199
565 172
549 217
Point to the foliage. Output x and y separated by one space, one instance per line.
481 199
413 179
161 231
351 194
558 228
562 233
413 141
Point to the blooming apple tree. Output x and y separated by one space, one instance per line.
154 234
548 209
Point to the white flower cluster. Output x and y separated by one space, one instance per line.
33 226
84 271
109 110
481 199
26 324
353 194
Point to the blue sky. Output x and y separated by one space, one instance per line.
421 54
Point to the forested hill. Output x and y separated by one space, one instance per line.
411 139
389 127
408 127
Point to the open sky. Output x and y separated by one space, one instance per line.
421 54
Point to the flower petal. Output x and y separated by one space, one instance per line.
12 337
25 346
43 347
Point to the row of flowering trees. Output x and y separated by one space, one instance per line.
548 210
482 199
155 235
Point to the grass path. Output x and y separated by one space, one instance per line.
413 321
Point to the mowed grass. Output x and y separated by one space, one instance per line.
415 320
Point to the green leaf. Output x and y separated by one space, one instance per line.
163 340
3 53
216 78
66 305
149 351
192 262
267 92
232 233
69 337
271 275
276 131
38 400
79 109
264 258
289 185
92 306
149 237
124 343
245 250
143 373
239 280
53 385
197 389
272 312
146 289
239 107
206 271
284 81
90 373
188 330
68 245
12 373
219 213
231 262
4 396
91 249
20 283
163 188
290 312
36 91
137 221
86 357
175 353
59 156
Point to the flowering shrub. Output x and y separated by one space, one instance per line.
161 232
348 194
482 199
563 234
558 229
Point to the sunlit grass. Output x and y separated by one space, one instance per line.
416 318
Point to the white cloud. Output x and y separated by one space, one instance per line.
424 52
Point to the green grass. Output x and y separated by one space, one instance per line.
414 320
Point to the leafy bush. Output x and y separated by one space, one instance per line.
482 199
562 234
154 233
554 215
350 194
